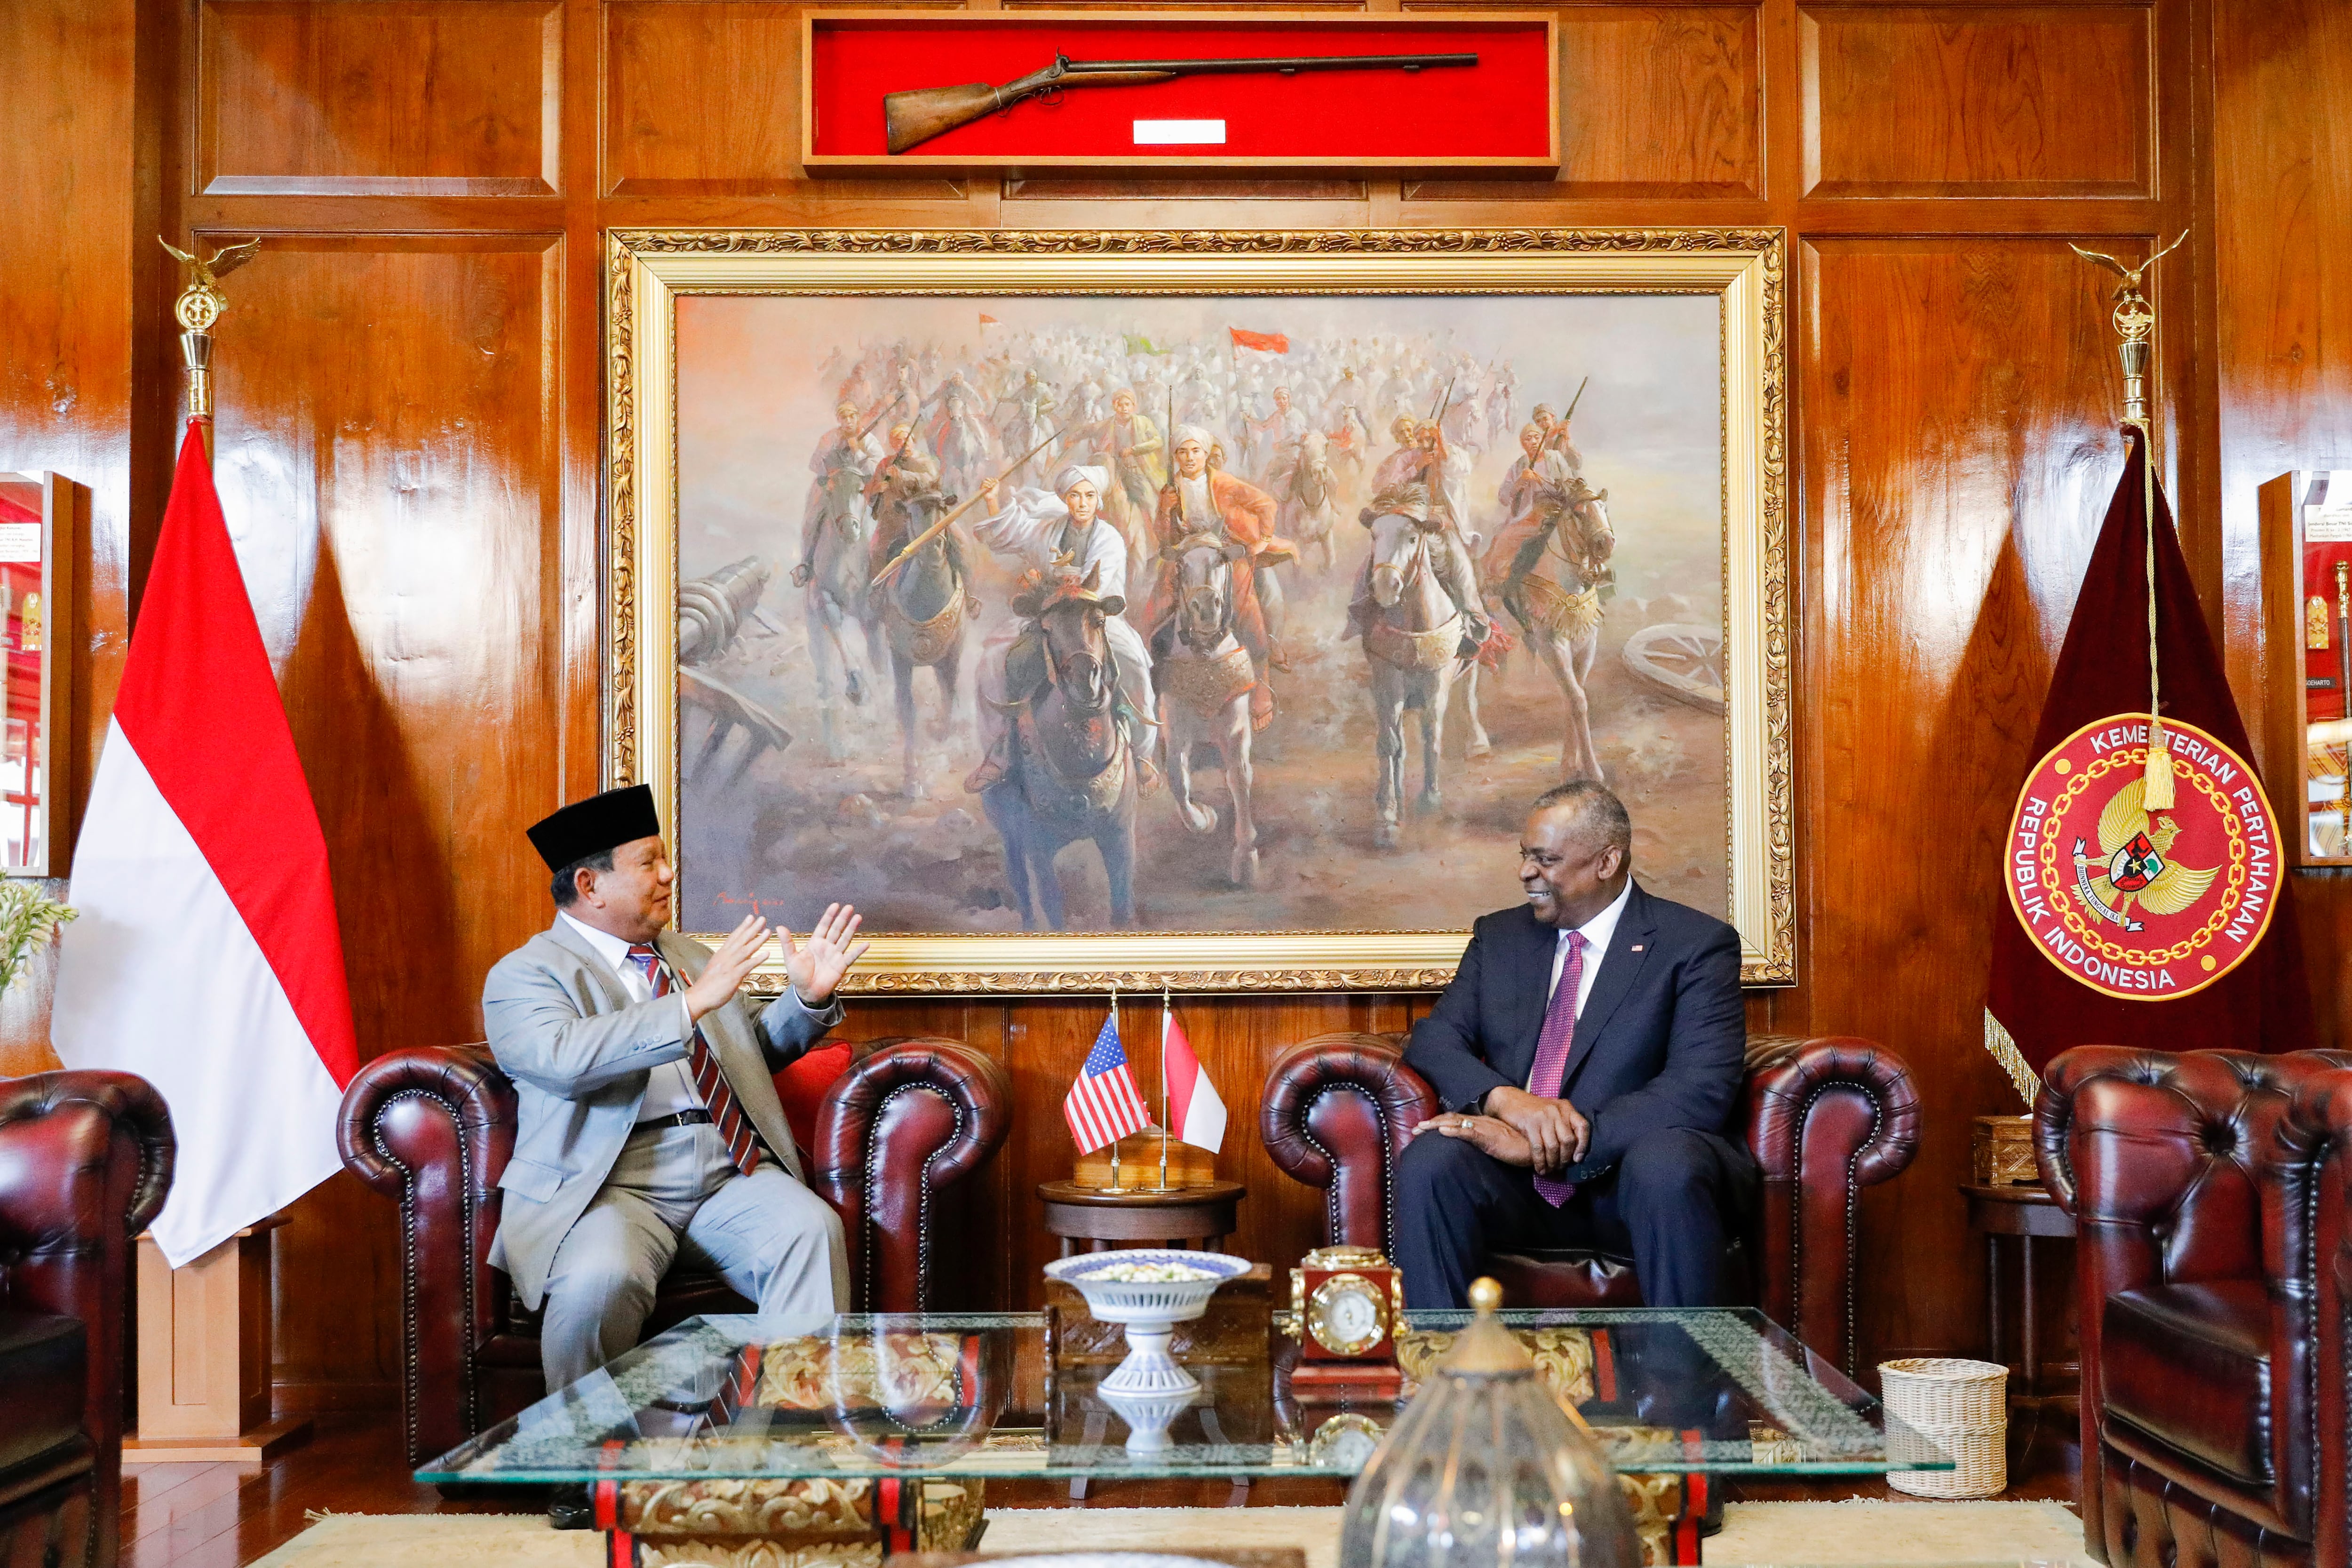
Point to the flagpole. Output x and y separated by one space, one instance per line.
1115 1186
1163 1086
200 304
2134 319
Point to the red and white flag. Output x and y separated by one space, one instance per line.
1195 1114
1266 343
206 958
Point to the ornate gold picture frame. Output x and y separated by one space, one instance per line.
708 401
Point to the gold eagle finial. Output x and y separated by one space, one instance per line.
202 302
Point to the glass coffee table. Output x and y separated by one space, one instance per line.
850 1438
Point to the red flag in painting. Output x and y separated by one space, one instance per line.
1272 342
2143 886
206 958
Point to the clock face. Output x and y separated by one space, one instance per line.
1346 1315
1344 1442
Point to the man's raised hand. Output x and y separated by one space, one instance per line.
728 969
817 965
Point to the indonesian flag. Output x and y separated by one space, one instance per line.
1272 342
1195 1114
206 959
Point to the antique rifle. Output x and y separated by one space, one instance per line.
914 117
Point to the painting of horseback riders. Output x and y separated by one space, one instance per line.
1190 613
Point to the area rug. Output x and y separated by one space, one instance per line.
1780 1534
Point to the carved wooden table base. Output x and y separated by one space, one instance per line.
803 1523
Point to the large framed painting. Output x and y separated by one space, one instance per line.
1197 610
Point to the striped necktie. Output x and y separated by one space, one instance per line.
1552 1047
743 1144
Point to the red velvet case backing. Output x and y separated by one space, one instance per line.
1499 114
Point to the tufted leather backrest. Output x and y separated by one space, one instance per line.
85 1162
2309 1235
1338 1109
2172 1165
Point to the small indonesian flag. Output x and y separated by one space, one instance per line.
987 320
1272 342
1103 1106
1195 1114
207 959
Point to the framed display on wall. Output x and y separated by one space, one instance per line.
1587 425
37 557
898 92
2307 616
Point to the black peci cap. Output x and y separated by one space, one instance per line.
590 827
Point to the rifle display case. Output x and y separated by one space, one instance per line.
1500 116
2306 518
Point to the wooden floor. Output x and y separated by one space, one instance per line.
223 1516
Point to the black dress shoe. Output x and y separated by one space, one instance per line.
568 1508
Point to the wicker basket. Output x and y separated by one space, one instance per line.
1942 1407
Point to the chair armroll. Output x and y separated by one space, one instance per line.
1826 1118
897 1139
1337 1110
433 1128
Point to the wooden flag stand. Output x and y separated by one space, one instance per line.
204 1352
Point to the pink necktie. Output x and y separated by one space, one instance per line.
744 1143
1552 1047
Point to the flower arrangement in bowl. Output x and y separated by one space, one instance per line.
29 919
1148 1291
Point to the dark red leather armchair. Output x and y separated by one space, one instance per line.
85 1162
2208 1191
895 1138
1825 1118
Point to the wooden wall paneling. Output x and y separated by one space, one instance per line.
379 96
2282 258
386 453
1656 101
1957 455
703 99
1978 101
75 127
1952 442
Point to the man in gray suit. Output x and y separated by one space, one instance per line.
648 1126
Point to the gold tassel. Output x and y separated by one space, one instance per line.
2156 795
2013 1061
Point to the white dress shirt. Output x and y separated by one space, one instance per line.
1596 934
669 1088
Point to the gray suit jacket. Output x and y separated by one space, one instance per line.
579 1050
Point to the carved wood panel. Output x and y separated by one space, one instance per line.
1978 101
379 96
397 494
705 101
1957 455
393 385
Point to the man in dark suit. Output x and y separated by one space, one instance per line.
1587 1057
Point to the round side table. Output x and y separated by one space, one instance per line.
1195 1218
2027 1214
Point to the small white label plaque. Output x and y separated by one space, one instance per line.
1179 132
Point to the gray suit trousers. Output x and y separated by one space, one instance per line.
674 1195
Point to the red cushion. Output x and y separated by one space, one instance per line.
801 1088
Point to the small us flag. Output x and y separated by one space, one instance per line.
1103 1106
